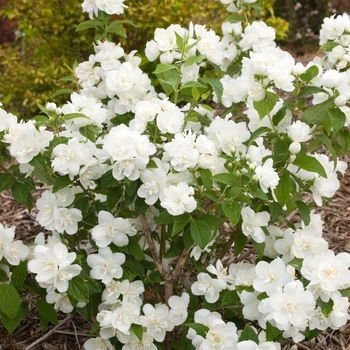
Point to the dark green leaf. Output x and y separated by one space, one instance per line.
117 28
304 211
206 177
12 323
309 74
88 24
327 142
326 307
163 67
19 275
271 332
21 194
137 329
60 92
78 289
309 90
230 298
227 179
248 333
164 218
47 311
180 222
258 132
310 164
216 86
200 329
317 114
345 292
234 17
6 181
140 206
135 267
337 118
9 300
232 210
259 247
201 233
328 46
265 106
61 182
240 243
283 189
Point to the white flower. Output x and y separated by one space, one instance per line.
98 343
178 199
106 265
253 222
178 308
307 242
47 209
207 286
111 229
134 343
6 237
156 321
299 131
267 175
256 91
271 277
67 220
170 120
292 307
112 7
15 252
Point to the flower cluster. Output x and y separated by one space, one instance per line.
149 186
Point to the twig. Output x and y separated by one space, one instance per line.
152 247
76 335
46 335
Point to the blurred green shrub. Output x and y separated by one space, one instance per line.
32 65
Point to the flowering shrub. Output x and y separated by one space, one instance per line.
154 186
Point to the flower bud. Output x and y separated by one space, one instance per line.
295 147
340 101
51 106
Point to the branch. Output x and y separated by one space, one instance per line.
60 324
227 246
152 247
181 262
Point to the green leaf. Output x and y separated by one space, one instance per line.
271 332
61 182
304 211
6 181
338 119
78 289
113 196
140 206
21 194
216 85
192 59
345 292
328 46
163 67
259 247
116 28
230 298
9 300
71 116
232 210
283 189
297 264
309 74
90 132
234 17
201 233
60 92
227 179
327 142
309 90
180 42
200 329
309 163
47 311
265 106
3 276
326 307
137 329
317 114
206 177
135 267
248 333
164 218
180 222
192 84
240 243
88 24
19 275
258 132
12 323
